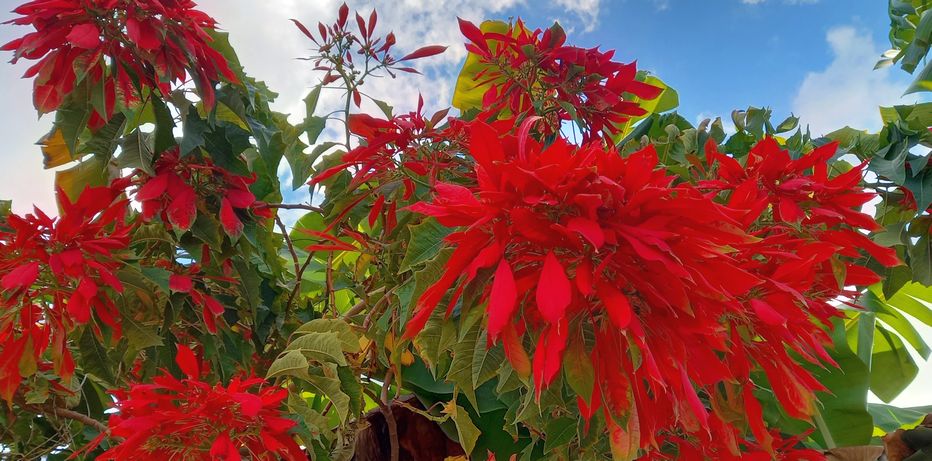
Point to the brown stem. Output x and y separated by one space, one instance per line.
386 408
298 277
331 296
294 206
65 413
294 255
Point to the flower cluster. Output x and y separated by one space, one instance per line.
612 247
393 152
191 419
536 73
54 273
181 184
336 43
125 47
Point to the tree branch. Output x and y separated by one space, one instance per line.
294 206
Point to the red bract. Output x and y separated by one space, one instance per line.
182 280
536 73
57 273
392 153
610 248
334 42
194 420
180 186
120 46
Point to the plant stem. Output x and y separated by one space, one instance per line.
823 428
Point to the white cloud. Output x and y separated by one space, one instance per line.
269 45
848 91
587 11
752 2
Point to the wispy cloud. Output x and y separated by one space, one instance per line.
848 91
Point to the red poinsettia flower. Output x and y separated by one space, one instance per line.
57 273
608 247
122 46
190 279
536 73
179 185
393 152
191 419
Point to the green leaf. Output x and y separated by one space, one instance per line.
559 432
889 418
920 260
895 320
137 152
291 363
320 347
921 187
164 135
912 299
577 367
105 140
88 173
94 360
349 382
844 404
330 388
385 107
193 131
314 126
426 240
72 117
789 124
469 84
140 336
349 340
310 101
485 360
158 276
460 372
892 368
668 100
466 430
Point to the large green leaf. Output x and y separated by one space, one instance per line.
322 347
889 418
90 172
470 86
892 367
426 240
844 404
668 100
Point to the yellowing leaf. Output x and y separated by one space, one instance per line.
624 441
54 150
466 431
468 93
669 99
89 173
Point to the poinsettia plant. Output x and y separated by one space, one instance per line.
562 267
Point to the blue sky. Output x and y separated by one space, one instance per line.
813 58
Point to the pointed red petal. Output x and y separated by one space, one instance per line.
228 219
502 300
616 305
21 277
553 290
187 362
